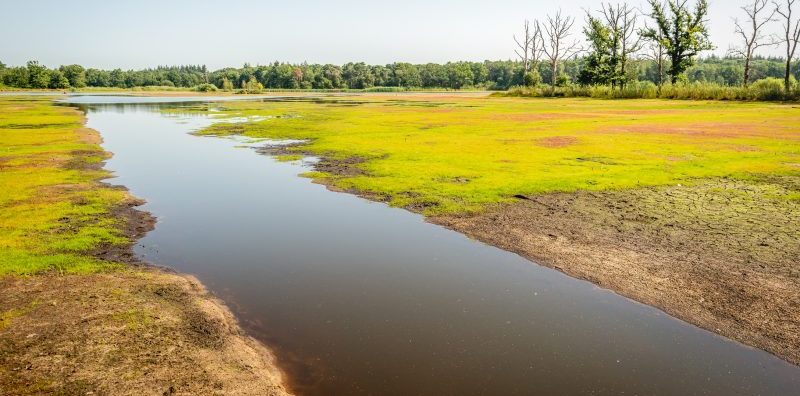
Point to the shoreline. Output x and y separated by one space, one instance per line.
582 247
137 224
133 328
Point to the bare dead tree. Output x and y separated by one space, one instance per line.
791 28
537 45
556 48
622 20
524 46
658 54
751 33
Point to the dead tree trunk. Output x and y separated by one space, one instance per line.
791 28
752 38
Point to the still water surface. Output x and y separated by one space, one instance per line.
359 298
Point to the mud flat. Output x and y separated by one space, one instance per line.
721 253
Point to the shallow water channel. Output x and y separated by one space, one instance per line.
359 298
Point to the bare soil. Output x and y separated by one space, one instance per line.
137 332
722 254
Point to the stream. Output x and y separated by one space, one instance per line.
355 297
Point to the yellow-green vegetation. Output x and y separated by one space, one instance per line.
53 210
454 154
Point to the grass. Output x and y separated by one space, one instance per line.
450 154
53 210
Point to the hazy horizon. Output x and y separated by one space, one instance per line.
147 33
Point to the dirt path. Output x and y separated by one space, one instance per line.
721 254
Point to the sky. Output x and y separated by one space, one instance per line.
131 34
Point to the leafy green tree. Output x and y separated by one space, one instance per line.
533 78
602 61
682 31
433 75
504 74
405 75
75 74
331 77
480 73
381 75
38 75
58 80
117 78
459 75
358 76
98 78
16 77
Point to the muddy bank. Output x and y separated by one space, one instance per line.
721 254
138 330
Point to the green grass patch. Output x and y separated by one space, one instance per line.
53 210
289 157
453 154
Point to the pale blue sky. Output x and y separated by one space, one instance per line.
143 33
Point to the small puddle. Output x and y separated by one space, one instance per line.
359 298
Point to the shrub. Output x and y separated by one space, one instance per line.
768 89
205 88
533 78
563 80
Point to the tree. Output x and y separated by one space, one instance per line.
601 63
76 75
752 36
16 77
656 51
252 86
226 84
530 48
57 80
791 28
459 74
117 78
557 30
38 75
98 78
682 31
433 75
405 75
358 75
621 20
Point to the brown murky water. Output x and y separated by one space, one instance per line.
359 298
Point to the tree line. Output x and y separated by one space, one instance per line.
617 45
493 75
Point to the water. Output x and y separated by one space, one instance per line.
359 298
